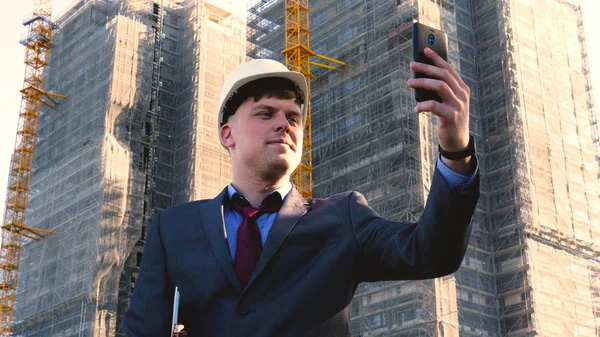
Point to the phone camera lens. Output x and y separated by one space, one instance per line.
431 40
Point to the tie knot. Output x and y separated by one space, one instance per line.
272 203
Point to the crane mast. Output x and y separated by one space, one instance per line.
297 58
37 49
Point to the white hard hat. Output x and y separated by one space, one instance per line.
254 70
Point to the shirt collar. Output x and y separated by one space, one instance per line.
283 190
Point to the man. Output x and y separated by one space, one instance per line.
246 267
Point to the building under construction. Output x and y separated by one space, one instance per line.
533 265
135 136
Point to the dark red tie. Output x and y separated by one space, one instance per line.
249 244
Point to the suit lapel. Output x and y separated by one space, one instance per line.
212 218
293 208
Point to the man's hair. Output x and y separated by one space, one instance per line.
268 87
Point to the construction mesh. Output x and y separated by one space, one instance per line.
533 120
90 182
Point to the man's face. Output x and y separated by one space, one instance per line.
265 137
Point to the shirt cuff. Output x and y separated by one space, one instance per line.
454 179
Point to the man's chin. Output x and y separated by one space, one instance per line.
276 168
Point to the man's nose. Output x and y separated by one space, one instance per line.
281 123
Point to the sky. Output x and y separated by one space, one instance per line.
12 70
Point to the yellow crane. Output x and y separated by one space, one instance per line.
37 49
297 57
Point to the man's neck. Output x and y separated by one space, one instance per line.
256 190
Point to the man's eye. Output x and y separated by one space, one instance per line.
293 120
265 113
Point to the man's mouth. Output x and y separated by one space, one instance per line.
281 141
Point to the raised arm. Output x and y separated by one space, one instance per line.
432 247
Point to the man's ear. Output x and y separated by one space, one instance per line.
225 136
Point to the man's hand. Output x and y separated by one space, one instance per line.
453 113
178 330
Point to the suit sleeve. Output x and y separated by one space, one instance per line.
433 246
150 306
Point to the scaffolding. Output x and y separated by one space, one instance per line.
82 179
138 136
151 122
38 43
539 173
538 150
214 33
152 149
535 231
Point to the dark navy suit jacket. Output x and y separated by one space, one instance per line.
316 254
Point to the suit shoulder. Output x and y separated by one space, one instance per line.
336 199
182 208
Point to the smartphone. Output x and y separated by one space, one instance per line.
422 37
